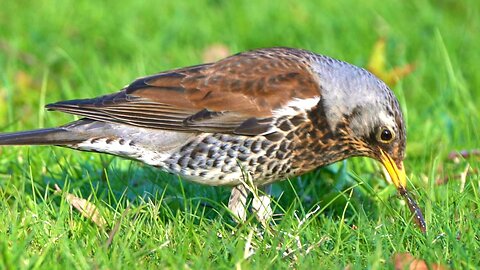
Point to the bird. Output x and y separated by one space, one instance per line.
245 121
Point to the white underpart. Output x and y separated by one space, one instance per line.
296 106
114 147
158 156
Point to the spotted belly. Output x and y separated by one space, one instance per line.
210 159
222 159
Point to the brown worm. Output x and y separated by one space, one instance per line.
413 206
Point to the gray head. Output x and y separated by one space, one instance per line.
367 108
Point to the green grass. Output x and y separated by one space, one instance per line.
53 50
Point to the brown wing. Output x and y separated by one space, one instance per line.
235 95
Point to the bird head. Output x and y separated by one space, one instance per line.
365 112
379 130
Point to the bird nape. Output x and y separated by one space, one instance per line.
272 113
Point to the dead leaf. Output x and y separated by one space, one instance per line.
86 208
456 155
377 65
461 176
407 261
215 52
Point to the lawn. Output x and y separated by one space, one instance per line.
344 215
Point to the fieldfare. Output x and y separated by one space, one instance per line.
255 117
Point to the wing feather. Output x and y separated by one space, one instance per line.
238 94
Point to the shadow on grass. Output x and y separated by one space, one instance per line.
118 183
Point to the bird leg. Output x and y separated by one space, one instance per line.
261 204
238 202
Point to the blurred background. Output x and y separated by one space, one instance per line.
52 50
428 51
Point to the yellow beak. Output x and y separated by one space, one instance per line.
396 174
400 181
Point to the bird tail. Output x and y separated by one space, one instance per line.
47 136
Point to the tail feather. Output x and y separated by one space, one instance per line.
47 136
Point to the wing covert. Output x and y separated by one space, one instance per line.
238 94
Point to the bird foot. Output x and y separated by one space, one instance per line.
260 203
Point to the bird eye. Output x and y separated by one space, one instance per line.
385 135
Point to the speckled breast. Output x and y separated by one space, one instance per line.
224 159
